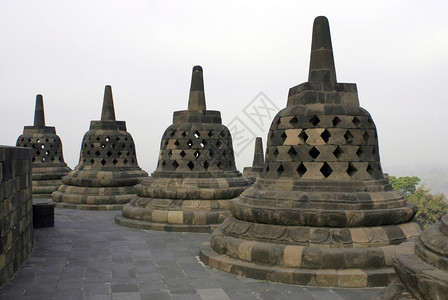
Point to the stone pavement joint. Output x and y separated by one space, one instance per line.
87 256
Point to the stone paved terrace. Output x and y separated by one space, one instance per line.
87 256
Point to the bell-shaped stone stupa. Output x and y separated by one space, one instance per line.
107 170
48 162
322 213
196 174
257 165
422 266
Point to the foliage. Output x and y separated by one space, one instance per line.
404 185
430 207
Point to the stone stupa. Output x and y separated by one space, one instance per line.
422 267
256 169
196 176
107 170
322 213
48 162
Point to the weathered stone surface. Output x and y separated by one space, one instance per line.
107 170
321 207
196 174
48 162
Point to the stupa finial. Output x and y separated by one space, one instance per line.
39 117
321 61
196 100
108 112
258 154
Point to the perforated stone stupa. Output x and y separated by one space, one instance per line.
107 170
196 174
48 162
321 214
422 267
256 169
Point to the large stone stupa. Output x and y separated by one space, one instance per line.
47 162
196 176
107 170
322 213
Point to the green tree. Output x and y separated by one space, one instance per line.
430 207
404 185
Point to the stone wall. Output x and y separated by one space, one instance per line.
16 208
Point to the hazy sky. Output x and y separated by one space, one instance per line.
395 51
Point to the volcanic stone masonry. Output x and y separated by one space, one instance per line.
48 162
422 267
322 213
107 170
257 165
196 174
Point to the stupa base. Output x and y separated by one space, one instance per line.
88 206
344 278
139 224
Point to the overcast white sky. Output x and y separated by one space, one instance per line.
396 52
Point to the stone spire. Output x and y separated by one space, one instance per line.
108 112
321 213
196 176
257 164
48 161
196 100
39 117
107 170
321 61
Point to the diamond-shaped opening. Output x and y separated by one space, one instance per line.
29 140
336 121
314 120
109 154
210 133
117 139
92 161
128 153
43 159
267 168
197 154
112 146
292 152
301 169
280 170
115 161
275 153
203 143
222 134
370 121
325 135
196 134
126 138
326 170
84 160
370 170
163 163
37 152
184 134
107 139
103 162
293 121
56 152
366 136
123 146
47 152
283 136
189 143
131 146
218 144
356 121
170 153
97 138
42 146
205 165
211 153
219 164
91 146
34 146
97 153
348 137
88 152
176 143
303 136
173 133
85 145
33 159
125 161
338 152
314 152
22 139
360 153
38 140
351 170
190 165
374 152
119 153
175 165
